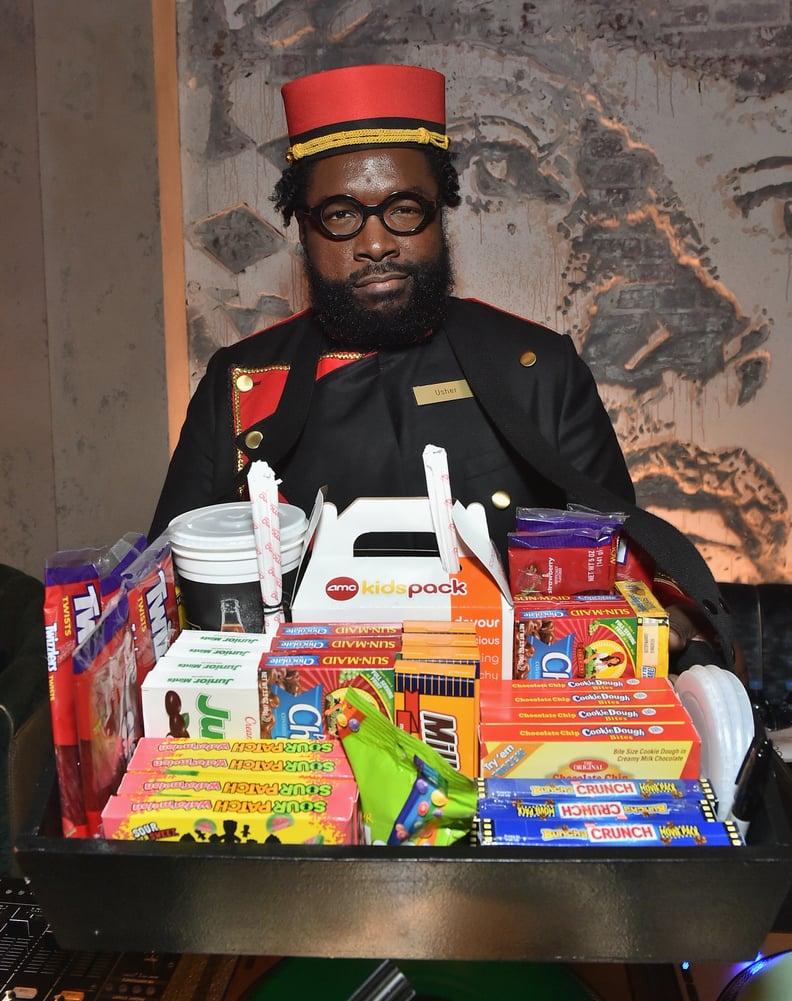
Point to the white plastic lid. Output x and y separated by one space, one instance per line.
228 529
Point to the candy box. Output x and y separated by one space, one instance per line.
193 644
364 629
439 704
578 691
685 810
435 653
564 714
650 790
457 627
221 819
150 784
330 659
196 758
538 697
142 788
662 750
452 641
337 644
340 585
629 833
302 700
202 699
588 636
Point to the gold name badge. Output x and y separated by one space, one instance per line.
440 392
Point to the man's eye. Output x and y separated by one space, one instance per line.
406 211
340 214
405 217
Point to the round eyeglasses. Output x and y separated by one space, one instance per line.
403 213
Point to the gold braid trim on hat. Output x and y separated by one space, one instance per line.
365 137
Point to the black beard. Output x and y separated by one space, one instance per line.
351 327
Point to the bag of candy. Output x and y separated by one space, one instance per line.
115 561
78 584
153 613
409 793
108 710
563 552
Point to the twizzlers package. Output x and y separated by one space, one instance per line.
108 708
78 583
153 612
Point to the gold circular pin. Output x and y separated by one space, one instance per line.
527 359
501 500
254 439
244 383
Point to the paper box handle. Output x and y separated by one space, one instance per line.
337 533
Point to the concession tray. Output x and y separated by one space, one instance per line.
463 902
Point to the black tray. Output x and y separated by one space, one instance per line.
463 902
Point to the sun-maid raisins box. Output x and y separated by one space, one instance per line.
343 582
591 636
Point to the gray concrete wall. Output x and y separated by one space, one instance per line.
27 488
83 399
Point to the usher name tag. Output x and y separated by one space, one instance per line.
440 392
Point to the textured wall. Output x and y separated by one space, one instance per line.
27 509
627 178
83 403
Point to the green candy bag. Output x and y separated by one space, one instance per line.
409 794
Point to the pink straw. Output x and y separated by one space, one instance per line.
263 489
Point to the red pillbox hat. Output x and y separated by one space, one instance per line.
363 106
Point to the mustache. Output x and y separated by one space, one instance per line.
382 268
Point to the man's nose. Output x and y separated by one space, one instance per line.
374 242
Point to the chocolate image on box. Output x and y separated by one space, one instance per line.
177 721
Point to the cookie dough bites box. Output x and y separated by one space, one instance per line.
654 750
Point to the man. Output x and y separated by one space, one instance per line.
346 395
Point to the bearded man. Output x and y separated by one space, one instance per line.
346 395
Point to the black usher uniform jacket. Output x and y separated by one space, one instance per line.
512 403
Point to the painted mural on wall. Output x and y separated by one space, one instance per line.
626 179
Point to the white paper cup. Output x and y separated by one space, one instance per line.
214 557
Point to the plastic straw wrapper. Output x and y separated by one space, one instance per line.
263 490
438 486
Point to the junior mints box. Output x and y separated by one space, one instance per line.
341 586
202 699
